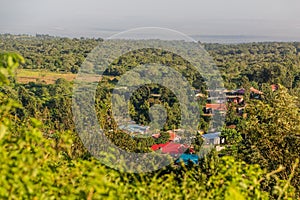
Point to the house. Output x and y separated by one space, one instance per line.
213 139
255 91
156 95
200 95
236 99
274 87
232 126
170 148
209 108
156 136
240 91
173 136
134 128
220 107
186 158
174 148
158 146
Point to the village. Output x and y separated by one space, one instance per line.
177 146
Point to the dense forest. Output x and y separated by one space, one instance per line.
42 156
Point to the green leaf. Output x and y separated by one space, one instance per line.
10 61
233 194
2 131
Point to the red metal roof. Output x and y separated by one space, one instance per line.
173 148
170 148
158 146
252 89
220 106
274 87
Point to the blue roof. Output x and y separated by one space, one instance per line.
188 157
134 128
212 135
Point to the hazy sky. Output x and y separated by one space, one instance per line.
100 18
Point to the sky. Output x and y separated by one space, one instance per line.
101 18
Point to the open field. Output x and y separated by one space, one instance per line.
26 76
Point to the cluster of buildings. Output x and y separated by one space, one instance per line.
174 147
185 152
237 97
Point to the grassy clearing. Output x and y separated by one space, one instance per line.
26 76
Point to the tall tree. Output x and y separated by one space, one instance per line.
272 134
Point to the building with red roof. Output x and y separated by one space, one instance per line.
255 91
219 106
274 87
170 148
158 146
209 108
173 136
173 148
